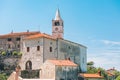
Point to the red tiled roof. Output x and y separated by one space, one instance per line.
39 36
111 72
88 75
18 34
63 62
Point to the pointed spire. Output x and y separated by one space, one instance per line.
57 16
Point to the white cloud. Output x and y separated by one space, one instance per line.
105 54
108 42
105 60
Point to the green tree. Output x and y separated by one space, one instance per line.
3 77
118 78
91 68
14 53
91 63
19 53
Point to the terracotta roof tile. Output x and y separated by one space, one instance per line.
39 35
18 34
110 74
88 75
63 62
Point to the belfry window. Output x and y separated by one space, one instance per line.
57 23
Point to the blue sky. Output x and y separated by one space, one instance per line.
93 23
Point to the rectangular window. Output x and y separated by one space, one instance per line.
9 46
17 39
28 49
50 49
18 46
38 48
9 39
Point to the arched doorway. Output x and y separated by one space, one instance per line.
28 65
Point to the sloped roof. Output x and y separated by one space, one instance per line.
111 72
12 34
88 75
39 36
62 62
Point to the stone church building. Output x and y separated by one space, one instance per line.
40 47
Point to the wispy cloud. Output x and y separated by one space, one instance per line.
105 53
108 42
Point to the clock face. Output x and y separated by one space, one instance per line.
56 29
57 23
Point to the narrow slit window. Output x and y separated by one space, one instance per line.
50 49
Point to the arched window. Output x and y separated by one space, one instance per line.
28 65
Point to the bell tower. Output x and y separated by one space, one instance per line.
57 26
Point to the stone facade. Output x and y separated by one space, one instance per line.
35 56
13 41
38 48
52 47
52 69
73 51
60 49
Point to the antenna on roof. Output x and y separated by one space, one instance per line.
11 31
39 28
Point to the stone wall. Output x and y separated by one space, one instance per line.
36 57
47 71
73 51
66 73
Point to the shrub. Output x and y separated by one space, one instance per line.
14 53
3 53
3 76
19 54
